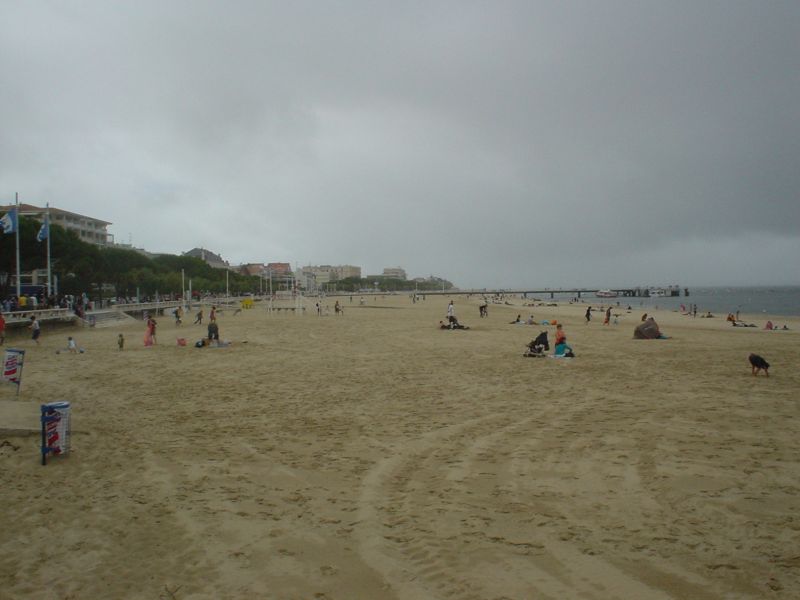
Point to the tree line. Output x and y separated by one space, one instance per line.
105 271
101 272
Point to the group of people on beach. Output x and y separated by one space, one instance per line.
151 324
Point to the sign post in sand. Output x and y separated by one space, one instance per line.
12 366
56 429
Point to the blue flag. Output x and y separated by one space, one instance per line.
44 231
9 221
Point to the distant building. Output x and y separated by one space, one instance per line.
88 229
133 248
318 275
279 268
348 271
254 269
394 273
211 259
307 279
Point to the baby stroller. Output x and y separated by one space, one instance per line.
538 346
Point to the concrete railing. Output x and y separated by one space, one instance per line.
43 315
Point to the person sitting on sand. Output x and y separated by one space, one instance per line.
72 347
768 326
649 331
644 317
562 349
517 320
452 324
531 321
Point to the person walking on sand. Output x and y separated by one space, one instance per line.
150 332
608 316
198 318
588 314
36 330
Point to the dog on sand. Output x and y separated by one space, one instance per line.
758 363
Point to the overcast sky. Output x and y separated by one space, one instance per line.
492 143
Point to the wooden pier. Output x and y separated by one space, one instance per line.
637 292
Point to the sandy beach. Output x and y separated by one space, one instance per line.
374 456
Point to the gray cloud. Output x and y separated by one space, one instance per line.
509 143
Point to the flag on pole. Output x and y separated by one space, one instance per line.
9 221
44 230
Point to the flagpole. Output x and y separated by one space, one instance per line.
19 286
49 272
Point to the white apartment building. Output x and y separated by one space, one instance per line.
394 273
327 273
88 229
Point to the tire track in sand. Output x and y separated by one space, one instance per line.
445 518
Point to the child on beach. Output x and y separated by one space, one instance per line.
36 330
72 347
561 348
121 341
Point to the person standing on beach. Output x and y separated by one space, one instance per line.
451 310
212 316
35 329
198 319
150 332
588 314
608 316
213 332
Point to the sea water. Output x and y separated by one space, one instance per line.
778 300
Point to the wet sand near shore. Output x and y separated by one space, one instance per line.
374 456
